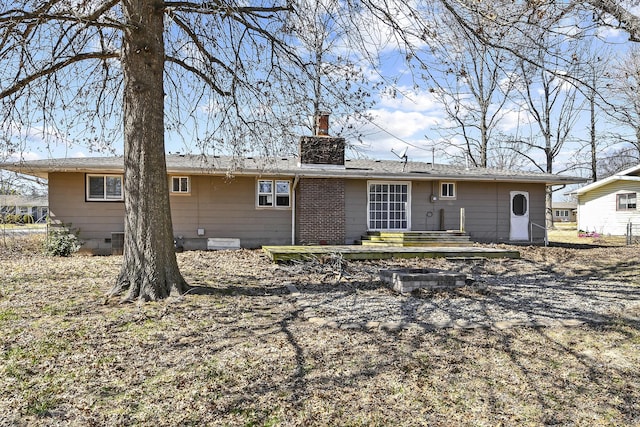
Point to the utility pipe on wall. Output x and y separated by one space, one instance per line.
293 209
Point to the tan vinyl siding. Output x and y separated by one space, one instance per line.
486 205
224 208
355 199
597 209
227 208
487 208
67 204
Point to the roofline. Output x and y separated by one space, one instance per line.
617 177
42 170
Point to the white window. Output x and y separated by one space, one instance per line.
562 213
274 193
626 202
180 184
448 190
389 206
104 188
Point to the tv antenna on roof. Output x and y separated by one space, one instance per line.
402 155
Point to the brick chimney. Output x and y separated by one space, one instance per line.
322 124
321 219
322 149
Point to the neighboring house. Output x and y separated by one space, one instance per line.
317 198
608 205
564 211
36 206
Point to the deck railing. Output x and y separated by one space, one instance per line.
546 236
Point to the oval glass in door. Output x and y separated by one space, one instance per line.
519 224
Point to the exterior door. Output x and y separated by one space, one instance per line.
519 229
388 206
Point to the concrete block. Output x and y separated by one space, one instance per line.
410 279
219 243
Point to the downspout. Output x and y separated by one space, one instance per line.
296 179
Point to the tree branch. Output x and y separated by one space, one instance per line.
56 67
11 17
198 73
627 20
218 7
201 48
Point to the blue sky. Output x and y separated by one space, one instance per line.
408 121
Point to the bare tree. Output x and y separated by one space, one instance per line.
67 64
472 81
617 160
616 14
553 105
531 19
331 77
215 74
624 107
591 76
507 153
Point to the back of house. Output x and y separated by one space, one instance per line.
318 197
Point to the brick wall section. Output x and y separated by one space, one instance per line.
320 211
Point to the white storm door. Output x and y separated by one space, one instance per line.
519 208
389 206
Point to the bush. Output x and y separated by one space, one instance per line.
11 218
27 219
61 242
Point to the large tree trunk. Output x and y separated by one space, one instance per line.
149 269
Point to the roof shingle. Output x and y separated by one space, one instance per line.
254 166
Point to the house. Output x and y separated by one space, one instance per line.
564 211
318 197
607 206
35 206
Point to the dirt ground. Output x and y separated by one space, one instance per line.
238 351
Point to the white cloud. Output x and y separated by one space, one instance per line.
24 156
515 119
609 33
402 121
403 98
404 124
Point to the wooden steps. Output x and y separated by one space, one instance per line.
415 238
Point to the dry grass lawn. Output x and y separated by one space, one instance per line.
240 354
568 233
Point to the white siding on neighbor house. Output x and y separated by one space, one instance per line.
597 209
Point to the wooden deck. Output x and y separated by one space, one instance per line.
290 253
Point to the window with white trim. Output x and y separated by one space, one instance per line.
448 190
104 188
562 213
273 193
389 205
180 184
626 202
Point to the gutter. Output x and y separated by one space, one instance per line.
296 179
